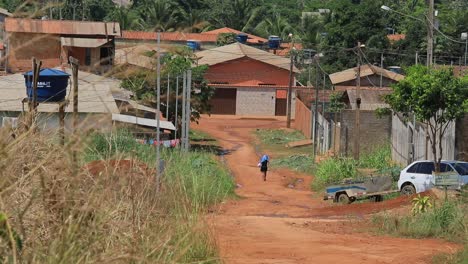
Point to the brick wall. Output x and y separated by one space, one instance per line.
374 131
255 101
461 139
246 71
24 46
302 121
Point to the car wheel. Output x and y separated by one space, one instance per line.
408 190
343 198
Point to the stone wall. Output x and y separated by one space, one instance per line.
255 101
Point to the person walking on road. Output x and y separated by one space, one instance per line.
263 164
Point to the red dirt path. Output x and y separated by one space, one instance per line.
272 223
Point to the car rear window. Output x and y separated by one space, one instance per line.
461 168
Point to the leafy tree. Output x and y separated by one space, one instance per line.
275 25
164 15
128 18
435 98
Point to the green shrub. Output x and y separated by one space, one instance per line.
301 163
278 136
333 170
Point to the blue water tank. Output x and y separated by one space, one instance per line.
274 42
242 38
51 86
193 44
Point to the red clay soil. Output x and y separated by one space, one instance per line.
273 223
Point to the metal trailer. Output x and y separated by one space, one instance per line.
352 189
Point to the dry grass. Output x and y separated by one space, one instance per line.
54 216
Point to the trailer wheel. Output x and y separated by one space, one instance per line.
377 198
343 198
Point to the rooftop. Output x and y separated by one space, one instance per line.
167 36
251 38
94 94
62 27
366 70
236 51
371 99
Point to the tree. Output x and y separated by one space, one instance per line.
164 15
435 97
275 25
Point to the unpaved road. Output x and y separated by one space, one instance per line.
272 223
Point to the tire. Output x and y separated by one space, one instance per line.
377 198
408 190
343 198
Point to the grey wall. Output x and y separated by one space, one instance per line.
374 131
255 101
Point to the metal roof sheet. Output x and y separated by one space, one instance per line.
236 51
62 27
94 94
366 70
143 121
251 38
168 36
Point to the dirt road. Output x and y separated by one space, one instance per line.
272 223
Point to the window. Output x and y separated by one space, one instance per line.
87 56
426 168
413 168
461 167
445 168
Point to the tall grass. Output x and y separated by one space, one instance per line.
278 136
114 217
447 221
335 169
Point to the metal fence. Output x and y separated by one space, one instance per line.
410 142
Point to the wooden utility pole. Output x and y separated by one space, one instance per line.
430 33
62 122
291 80
36 69
75 65
357 125
315 124
381 66
167 94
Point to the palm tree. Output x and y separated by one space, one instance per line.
127 18
275 25
164 15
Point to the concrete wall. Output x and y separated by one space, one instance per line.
246 71
255 101
374 131
24 46
461 139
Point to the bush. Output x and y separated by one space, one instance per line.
332 171
446 221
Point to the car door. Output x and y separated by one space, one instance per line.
423 179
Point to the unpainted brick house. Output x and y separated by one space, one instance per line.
248 81
54 41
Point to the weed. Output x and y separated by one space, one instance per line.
278 136
421 204
301 163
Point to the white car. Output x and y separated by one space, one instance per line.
417 177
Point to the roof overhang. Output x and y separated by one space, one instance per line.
143 121
83 42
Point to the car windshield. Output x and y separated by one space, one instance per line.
461 167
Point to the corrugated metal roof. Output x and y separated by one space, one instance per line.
236 51
251 38
5 12
371 99
396 37
143 121
258 86
83 42
366 70
94 94
62 27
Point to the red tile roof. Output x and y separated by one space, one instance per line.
62 27
168 36
396 37
252 38
285 47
